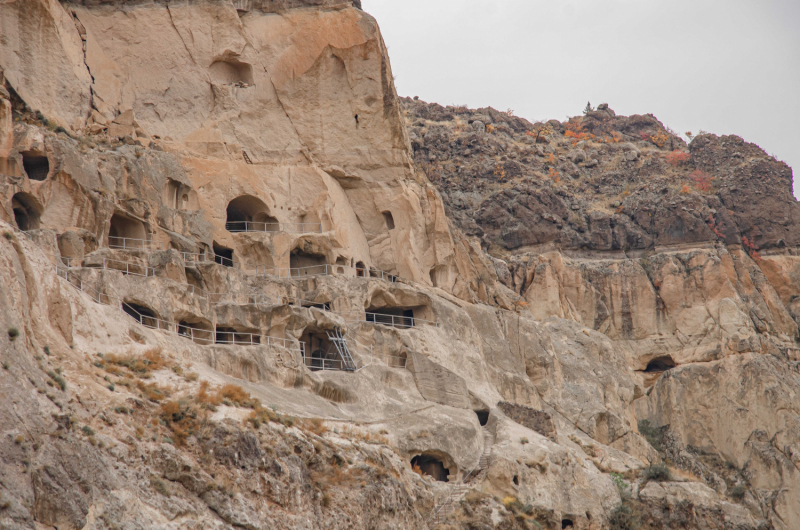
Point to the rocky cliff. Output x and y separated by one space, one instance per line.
249 286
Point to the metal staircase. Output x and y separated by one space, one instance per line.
340 343
443 509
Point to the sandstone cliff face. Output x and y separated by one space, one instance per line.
237 176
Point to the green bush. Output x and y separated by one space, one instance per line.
651 434
623 518
658 472
88 431
58 379
13 333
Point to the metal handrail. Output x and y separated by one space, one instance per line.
129 243
205 257
325 270
253 226
156 323
130 268
339 365
387 320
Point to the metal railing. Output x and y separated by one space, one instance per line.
386 320
328 363
208 257
132 269
198 335
129 243
253 226
324 270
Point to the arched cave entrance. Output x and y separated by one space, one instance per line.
660 364
249 214
143 314
126 233
27 211
36 165
195 329
431 466
223 255
305 263
361 270
483 416
566 523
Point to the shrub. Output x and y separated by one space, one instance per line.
623 518
47 350
88 431
159 485
738 491
658 472
702 180
622 486
651 434
677 157
13 333
523 440
60 381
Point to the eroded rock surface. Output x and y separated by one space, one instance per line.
246 285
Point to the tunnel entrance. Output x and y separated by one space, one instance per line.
319 351
26 211
249 214
660 364
566 523
144 315
483 416
430 466
196 330
36 165
126 233
223 255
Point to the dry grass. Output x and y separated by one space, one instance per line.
140 366
153 391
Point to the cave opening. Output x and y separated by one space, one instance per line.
26 211
36 165
361 269
223 255
399 317
231 72
249 214
125 232
143 314
430 466
229 335
660 364
389 219
566 523
306 263
483 416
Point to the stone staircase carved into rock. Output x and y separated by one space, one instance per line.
447 506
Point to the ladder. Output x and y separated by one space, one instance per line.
340 343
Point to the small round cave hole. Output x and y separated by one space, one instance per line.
660 364
566 523
516 480
430 466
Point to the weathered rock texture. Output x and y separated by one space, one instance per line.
563 299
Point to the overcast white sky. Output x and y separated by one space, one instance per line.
724 66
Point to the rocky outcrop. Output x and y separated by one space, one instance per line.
248 286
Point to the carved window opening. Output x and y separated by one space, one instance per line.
36 165
306 263
389 219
